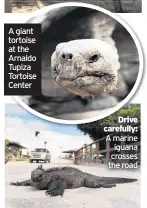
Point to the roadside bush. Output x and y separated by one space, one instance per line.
15 153
25 157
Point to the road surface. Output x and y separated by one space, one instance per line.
122 196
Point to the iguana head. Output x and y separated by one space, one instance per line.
37 174
40 178
85 67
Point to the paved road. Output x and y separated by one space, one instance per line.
122 196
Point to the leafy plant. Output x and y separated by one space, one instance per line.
96 129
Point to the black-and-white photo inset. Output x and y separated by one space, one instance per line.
91 63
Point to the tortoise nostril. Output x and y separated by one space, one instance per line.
67 56
63 56
70 56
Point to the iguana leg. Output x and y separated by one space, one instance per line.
56 188
108 185
22 183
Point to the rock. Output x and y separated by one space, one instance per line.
131 6
112 5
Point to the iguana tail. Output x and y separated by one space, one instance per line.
116 180
92 181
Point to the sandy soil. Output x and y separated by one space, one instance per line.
22 7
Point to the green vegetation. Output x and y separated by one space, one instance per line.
96 129
25 157
10 152
133 111
15 153
6 147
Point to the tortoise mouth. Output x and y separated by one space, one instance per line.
95 76
90 81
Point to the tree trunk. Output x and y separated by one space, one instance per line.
8 6
117 6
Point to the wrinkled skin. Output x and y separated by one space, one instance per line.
85 67
56 180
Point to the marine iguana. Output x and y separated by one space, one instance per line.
85 67
56 180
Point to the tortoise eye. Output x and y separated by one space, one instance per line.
94 58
